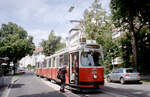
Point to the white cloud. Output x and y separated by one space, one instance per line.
38 17
105 5
39 35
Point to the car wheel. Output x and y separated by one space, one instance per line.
109 79
122 81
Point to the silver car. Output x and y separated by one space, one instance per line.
123 75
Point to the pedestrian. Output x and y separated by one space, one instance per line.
62 71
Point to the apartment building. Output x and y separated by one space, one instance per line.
117 34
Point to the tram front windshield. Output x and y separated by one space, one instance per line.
91 59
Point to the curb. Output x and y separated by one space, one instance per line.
145 83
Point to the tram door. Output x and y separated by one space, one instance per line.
74 68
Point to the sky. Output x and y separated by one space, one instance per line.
39 17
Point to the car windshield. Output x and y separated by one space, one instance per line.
131 71
91 59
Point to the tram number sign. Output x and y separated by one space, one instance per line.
93 46
94 71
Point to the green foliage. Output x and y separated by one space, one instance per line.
98 26
14 42
111 51
52 45
131 16
126 50
125 10
143 48
30 66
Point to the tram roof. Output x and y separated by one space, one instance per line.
75 47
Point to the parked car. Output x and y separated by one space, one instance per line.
123 75
21 71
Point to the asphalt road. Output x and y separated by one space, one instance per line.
130 89
29 86
93 93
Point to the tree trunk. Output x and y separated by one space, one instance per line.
14 68
134 48
133 42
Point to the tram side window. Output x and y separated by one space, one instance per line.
49 63
41 65
66 59
61 60
38 65
53 65
44 64
57 61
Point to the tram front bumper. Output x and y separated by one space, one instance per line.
91 83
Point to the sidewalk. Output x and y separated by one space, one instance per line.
5 80
1 90
5 83
145 79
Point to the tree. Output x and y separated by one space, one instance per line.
29 67
98 26
132 16
143 49
52 45
15 43
94 20
126 50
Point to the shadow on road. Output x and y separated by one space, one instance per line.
129 83
17 85
49 94
132 83
90 91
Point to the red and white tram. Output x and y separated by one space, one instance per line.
84 64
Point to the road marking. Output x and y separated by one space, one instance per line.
57 87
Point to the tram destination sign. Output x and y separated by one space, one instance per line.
93 46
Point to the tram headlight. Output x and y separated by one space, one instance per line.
95 76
